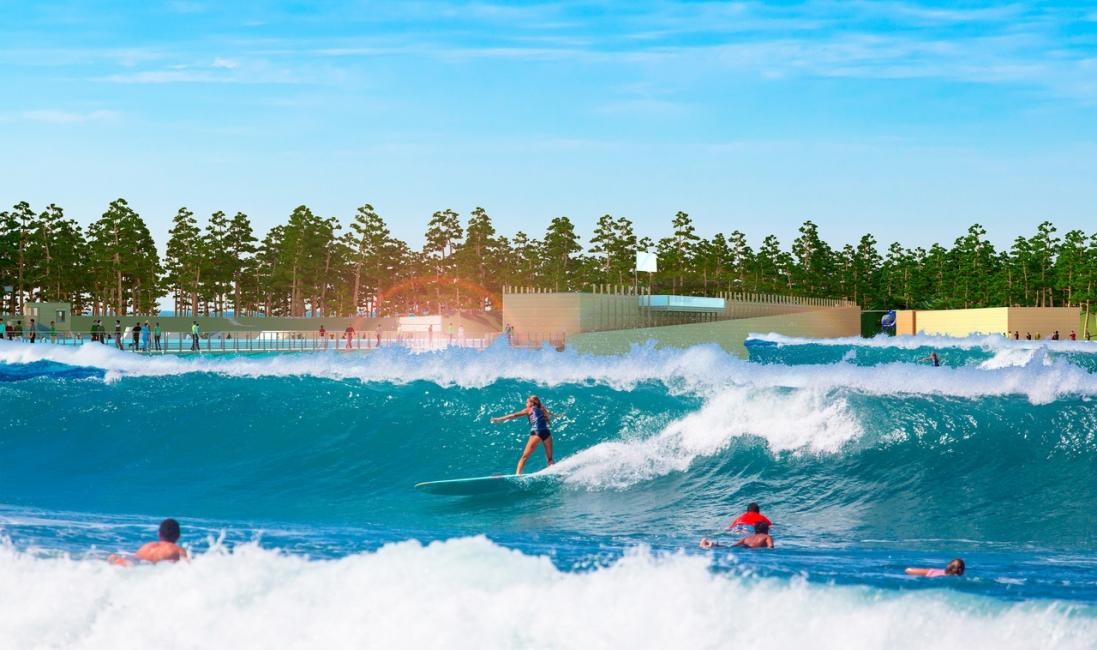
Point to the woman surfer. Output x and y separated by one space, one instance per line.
539 431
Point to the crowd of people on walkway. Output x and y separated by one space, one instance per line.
1073 336
138 337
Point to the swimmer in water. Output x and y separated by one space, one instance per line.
539 431
933 358
166 549
954 568
760 539
751 518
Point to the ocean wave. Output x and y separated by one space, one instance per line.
470 592
989 342
705 369
810 421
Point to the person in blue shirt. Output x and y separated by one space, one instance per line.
539 431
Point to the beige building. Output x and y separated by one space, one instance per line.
995 320
611 319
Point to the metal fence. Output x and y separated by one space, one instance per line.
244 341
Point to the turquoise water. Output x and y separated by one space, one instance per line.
292 477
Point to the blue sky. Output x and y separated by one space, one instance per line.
907 119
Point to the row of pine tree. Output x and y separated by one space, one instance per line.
313 265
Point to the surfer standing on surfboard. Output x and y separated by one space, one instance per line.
539 431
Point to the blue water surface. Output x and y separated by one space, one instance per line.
320 459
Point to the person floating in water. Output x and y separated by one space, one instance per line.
539 431
954 568
164 550
760 538
933 358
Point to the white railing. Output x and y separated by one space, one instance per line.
251 341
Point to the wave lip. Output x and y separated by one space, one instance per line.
808 421
471 592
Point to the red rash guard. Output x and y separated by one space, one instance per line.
749 519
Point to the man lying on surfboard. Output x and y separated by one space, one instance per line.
752 518
760 538
539 431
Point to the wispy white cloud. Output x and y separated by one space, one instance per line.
219 71
907 11
167 76
60 116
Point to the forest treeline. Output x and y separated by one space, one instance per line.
315 265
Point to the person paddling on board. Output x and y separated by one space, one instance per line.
539 431
166 549
759 539
751 518
954 568
934 359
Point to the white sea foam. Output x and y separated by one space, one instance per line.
471 593
1007 357
705 369
787 421
989 342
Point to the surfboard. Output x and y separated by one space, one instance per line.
497 484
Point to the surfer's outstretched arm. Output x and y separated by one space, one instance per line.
511 416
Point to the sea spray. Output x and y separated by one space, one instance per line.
473 593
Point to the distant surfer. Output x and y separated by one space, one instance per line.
934 359
539 431
760 538
164 550
954 568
